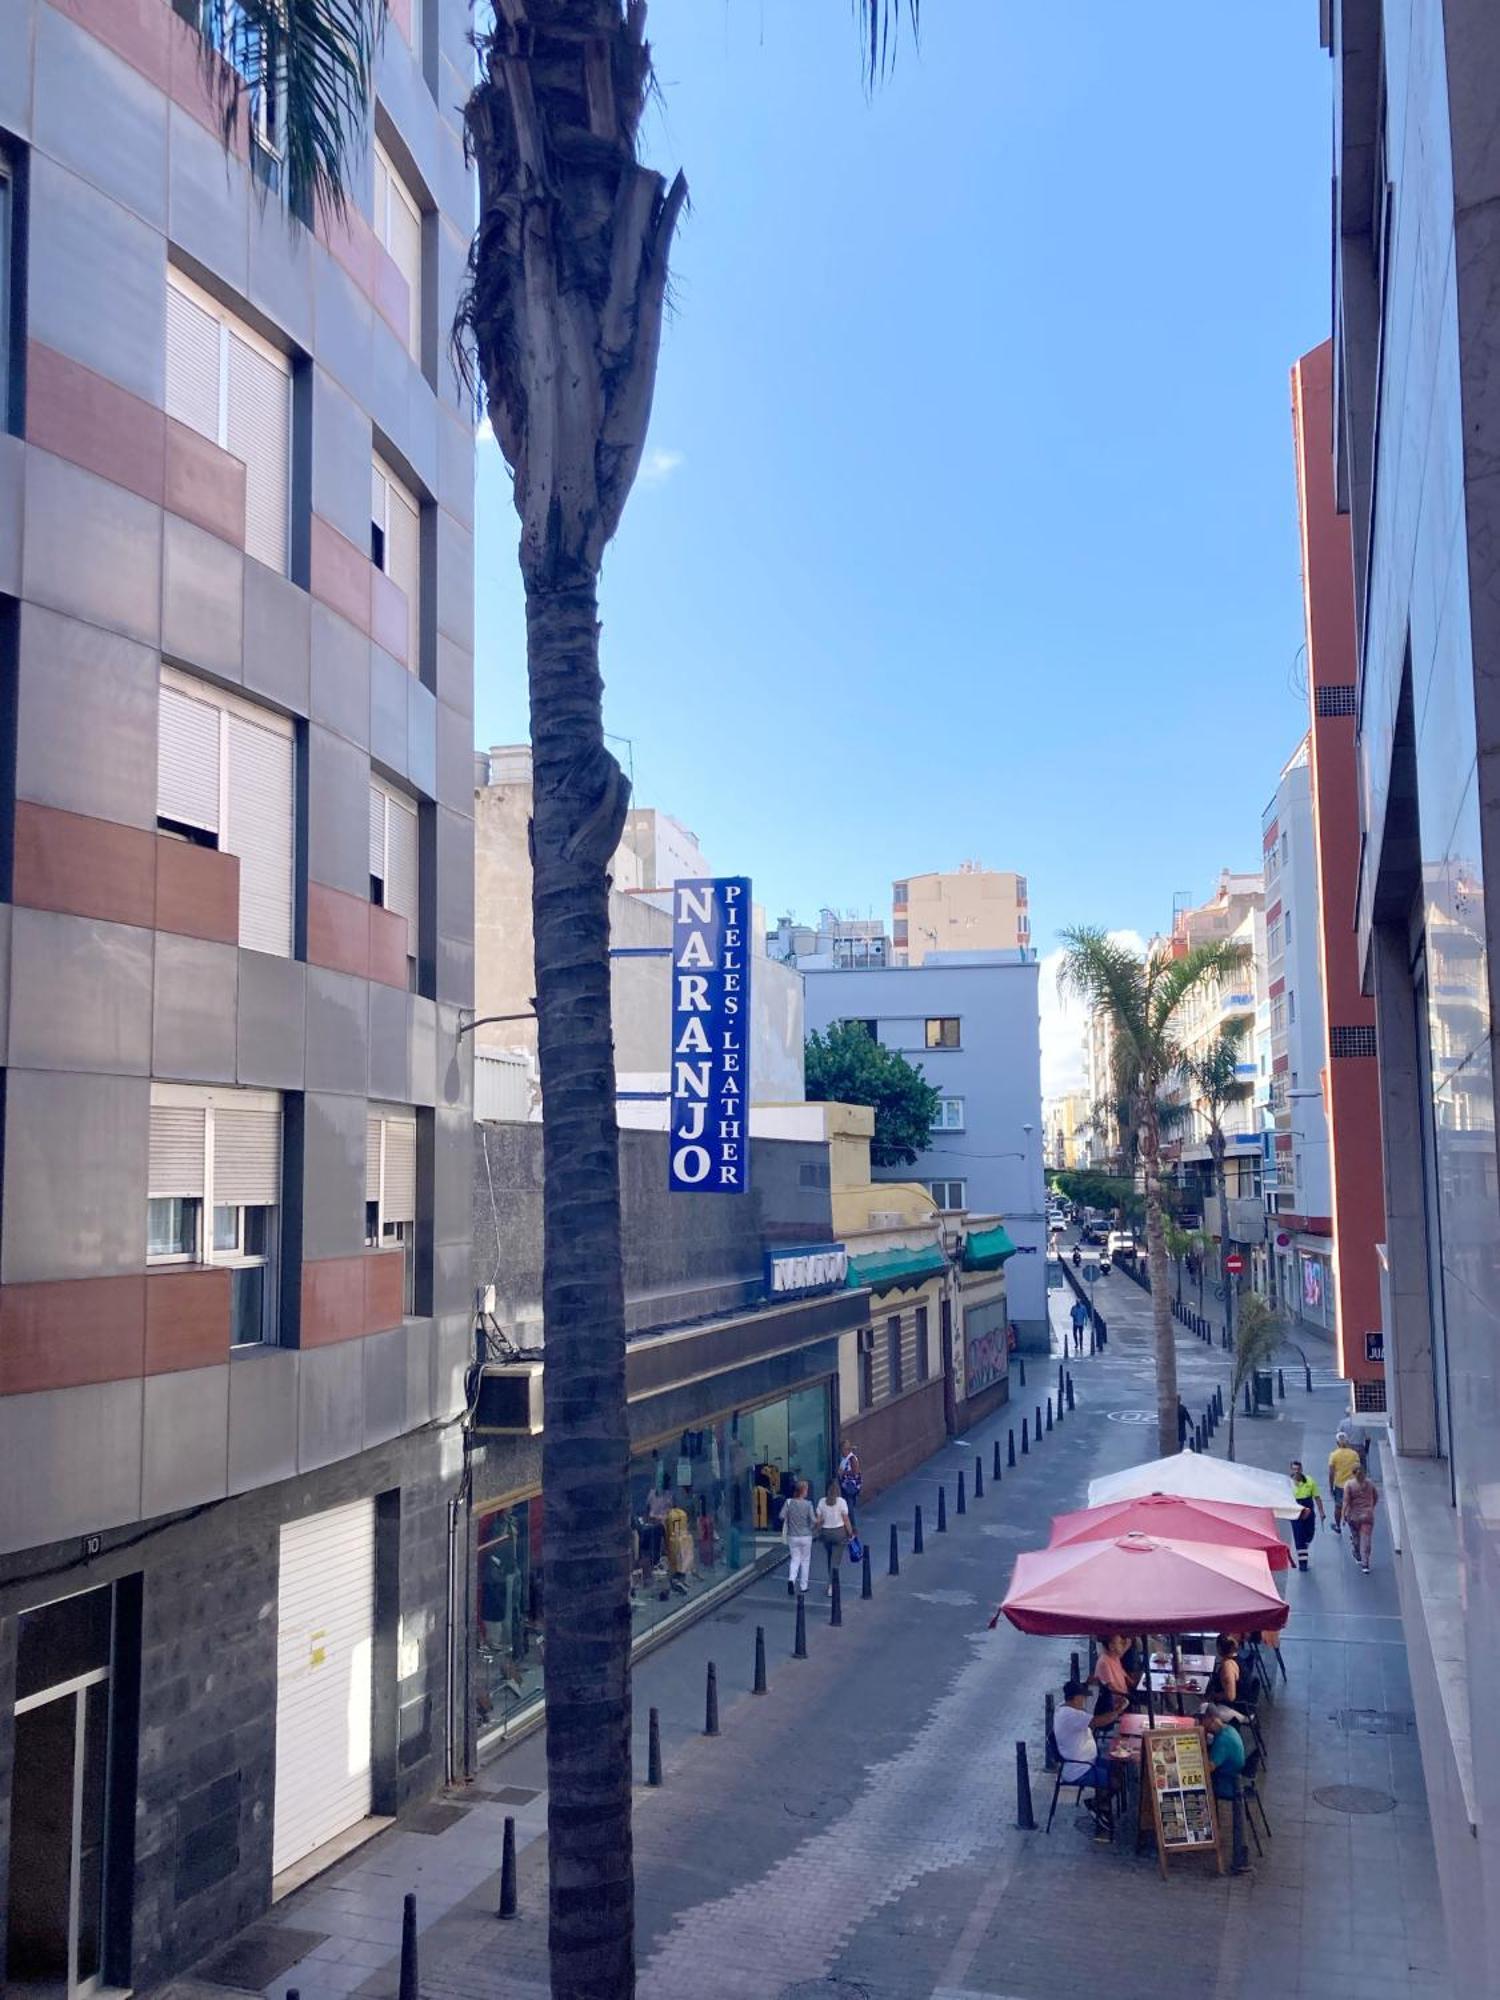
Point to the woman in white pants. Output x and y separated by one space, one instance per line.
797 1524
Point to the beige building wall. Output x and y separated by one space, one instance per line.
972 909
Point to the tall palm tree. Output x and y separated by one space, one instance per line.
1214 1084
561 322
1145 999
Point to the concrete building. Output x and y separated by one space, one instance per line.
1215 1009
846 943
970 1022
236 610
1415 438
1069 1121
972 909
1102 1142
1351 1083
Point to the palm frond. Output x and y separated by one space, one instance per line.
879 25
1107 974
1257 1336
1176 979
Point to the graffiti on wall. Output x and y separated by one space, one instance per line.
986 1349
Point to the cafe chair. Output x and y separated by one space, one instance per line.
1250 1793
1246 1711
1078 1786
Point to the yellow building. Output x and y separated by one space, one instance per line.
973 909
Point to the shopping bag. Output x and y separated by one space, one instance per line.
856 1549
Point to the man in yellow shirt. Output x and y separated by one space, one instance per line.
1342 1460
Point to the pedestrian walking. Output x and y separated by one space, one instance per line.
1308 1498
1342 1460
1361 1498
797 1524
1184 1423
850 1479
835 1525
1080 1319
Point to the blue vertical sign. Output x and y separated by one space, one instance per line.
710 1126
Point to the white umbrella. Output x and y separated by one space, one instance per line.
1195 1476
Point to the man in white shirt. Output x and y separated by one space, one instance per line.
1081 1762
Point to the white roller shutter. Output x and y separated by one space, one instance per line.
187 760
403 562
399 1196
192 363
401 863
177 1150
377 832
259 830
325 1680
372 1157
259 412
247 1155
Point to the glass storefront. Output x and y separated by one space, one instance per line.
704 1504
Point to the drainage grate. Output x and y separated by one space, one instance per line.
820 1805
259 1957
1355 1799
435 1818
1377 1721
730 1618
507 1795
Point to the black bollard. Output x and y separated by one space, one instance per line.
760 1660
995 1463
1060 1372
1010 1448
1239 1856
653 1747
507 1871
1280 1386
866 1584
893 1567
942 1510
1049 1709
1025 1437
408 1989
916 1531
1307 1371
799 1647
836 1598
979 1475
1247 1399
961 1504
1070 1389
1025 1817
1049 1413
1021 1358
1037 1431
711 1702
1198 1437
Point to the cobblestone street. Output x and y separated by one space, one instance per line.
852 1834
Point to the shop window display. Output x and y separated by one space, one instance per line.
508 1629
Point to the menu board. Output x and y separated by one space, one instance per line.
1177 1790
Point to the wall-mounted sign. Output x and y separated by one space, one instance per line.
1375 1346
709 1152
812 1269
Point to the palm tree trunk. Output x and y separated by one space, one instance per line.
578 812
1225 1278
1161 1305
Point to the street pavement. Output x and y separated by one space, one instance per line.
852 1834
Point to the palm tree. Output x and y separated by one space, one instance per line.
1214 1084
1261 1332
1145 999
561 323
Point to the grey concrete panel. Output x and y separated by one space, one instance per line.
340 681
421 1339
281 270
455 676
271 1026
68 510
455 763
340 459
209 194
70 1462
423 1051
338 1031
331 1400
456 466
452 1352
185 1440
97 115
75 1175
193 1037
72 674
338 811
203 600
384 1357
17 35
333 1198
455 580
391 372
421 738
452 1176
390 1043
453 1278
278 638
80 994
389 703
341 327
12 494
262 1416
455 971
85 248
455 872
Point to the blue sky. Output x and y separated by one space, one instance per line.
968 527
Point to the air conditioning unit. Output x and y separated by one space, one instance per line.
509 1402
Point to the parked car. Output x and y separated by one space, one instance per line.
1120 1243
1092 1232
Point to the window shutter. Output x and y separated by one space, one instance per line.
399 1199
401 864
403 562
259 831
176 1150
187 760
192 364
377 834
259 412
405 246
247 1155
372 1158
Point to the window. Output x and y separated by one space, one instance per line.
900 894
391 1189
396 548
1286 925
12 293
1273 938
924 1358
900 932
893 1352
393 861
949 1116
949 1195
1278 1015
398 229
218 1153
1291 1008
225 780
224 381
868 1026
223 25
942 1032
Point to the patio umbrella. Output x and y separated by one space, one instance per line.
1194 1475
1179 1519
1141 1584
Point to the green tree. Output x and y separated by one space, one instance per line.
847 1066
1214 1084
561 323
1260 1333
1145 998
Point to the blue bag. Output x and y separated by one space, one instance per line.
856 1549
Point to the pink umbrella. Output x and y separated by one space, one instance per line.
1177 1518
1139 1584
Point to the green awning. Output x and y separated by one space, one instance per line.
987 1249
897 1270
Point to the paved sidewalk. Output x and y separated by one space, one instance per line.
852 1835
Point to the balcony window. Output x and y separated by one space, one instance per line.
396 548
942 1032
398 229
391 1190
218 1153
394 873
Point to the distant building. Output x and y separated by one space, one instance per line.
972 909
1101 1142
1069 1120
1216 1008
845 943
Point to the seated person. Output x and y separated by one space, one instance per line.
1081 1762
1224 1681
1226 1751
1115 1683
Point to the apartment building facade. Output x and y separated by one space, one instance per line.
236 486
968 909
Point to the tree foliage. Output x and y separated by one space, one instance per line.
1258 1335
847 1066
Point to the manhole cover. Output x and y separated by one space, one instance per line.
730 1618
1132 1416
959 1597
1354 1799
434 1818
827 1805
825 1989
1377 1721
507 1795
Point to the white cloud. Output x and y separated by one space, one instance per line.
1065 1024
658 466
